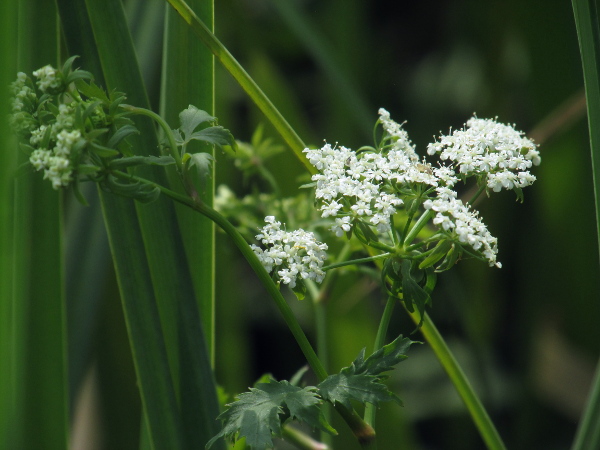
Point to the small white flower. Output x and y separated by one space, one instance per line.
290 254
47 78
463 224
485 146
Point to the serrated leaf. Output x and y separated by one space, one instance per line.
192 117
361 381
384 359
343 387
202 162
256 414
216 135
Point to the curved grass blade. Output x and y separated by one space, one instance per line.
588 32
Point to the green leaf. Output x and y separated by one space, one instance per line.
411 291
438 253
103 151
361 381
384 359
91 90
216 135
257 414
299 289
191 118
202 162
343 387
131 161
120 134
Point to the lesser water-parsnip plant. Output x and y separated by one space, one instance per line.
401 208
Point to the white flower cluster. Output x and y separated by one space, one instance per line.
48 79
61 137
486 147
22 95
292 254
352 185
458 219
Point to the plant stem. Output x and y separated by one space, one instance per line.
356 261
301 440
245 81
414 231
370 409
165 126
477 194
482 420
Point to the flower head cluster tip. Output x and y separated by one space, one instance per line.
292 255
51 141
490 149
367 187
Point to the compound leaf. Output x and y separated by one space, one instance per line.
258 414
343 387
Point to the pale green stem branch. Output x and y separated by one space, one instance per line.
356 261
414 231
370 409
482 420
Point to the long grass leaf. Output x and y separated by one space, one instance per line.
171 278
588 32
8 54
188 78
133 272
38 309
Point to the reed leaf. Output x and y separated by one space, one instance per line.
588 32
37 324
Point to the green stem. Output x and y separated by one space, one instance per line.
165 126
588 431
300 439
245 81
370 409
477 194
482 420
412 234
356 261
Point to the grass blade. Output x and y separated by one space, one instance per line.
8 54
188 78
38 326
588 32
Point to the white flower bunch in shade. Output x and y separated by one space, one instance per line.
492 150
292 255
49 79
59 138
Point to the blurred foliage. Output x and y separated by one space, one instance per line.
526 334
